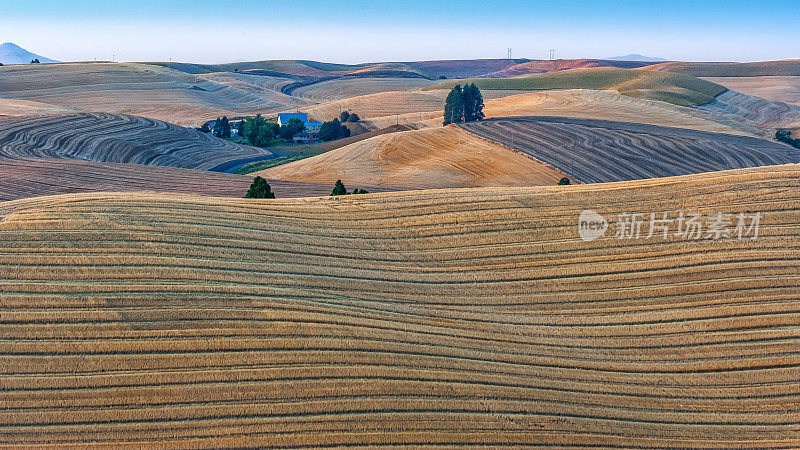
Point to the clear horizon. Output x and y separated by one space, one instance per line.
362 31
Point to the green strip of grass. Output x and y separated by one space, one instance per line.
261 165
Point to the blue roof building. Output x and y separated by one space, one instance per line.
284 117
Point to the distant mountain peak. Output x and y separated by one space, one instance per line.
11 53
636 57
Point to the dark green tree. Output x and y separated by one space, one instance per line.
475 102
343 116
259 189
454 106
331 130
338 189
292 127
353 118
258 131
35 61
564 181
205 128
225 127
360 191
345 131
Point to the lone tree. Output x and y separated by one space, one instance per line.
35 61
343 116
564 181
463 104
259 189
338 189
353 118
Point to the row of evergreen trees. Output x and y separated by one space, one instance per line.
463 104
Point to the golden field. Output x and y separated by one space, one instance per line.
420 159
444 317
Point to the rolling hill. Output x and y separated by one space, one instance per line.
420 159
449 318
24 178
597 151
788 67
772 88
11 53
678 89
118 138
128 88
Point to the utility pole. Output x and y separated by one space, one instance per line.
509 52
552 54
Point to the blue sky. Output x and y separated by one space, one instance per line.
360 31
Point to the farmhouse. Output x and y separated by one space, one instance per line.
305 137
283 118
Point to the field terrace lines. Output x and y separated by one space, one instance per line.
117 138
596 151
754 111
448 317
420 159
128 88
342 88
606 105
23 178
774 89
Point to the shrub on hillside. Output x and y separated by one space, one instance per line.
259 189
340 189
564 181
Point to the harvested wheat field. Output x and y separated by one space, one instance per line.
391 108
118 138
756 112
128 88
596 151
420 159
774 89
342 88
606 105
450 317
23 178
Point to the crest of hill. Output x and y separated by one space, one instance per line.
11 53
420 159
672 88
636 57
545 66
788 67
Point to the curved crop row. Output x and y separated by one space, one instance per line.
596 151
117 138
449 317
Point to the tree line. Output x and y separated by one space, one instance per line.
463 104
